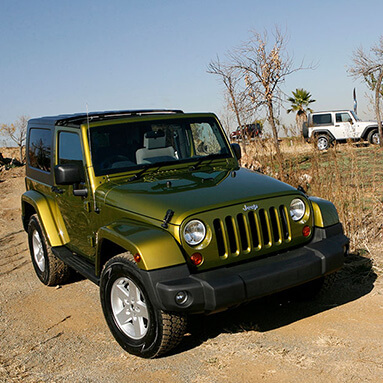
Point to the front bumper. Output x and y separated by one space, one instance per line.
224 287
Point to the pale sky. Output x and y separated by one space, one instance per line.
59 56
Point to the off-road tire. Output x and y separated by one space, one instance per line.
322 142
161 331
50 270
373 137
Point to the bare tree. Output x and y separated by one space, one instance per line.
226 118
265 67
235 97
370 66
17 132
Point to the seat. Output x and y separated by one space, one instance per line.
155 149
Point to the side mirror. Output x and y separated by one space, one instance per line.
67 174
237 150
70 174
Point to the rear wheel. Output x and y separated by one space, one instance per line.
322 142
373 137
138 326
50 270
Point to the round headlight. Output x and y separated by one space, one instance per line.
297 209
194 232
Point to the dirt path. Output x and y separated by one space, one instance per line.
59 334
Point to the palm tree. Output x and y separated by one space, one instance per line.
300 104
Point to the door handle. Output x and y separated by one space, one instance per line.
55 189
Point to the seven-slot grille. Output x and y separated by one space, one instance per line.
253 230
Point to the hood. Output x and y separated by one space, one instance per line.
187 193
367 123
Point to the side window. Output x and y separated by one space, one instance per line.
69 148
343 117
322 119
39 150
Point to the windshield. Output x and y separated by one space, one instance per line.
125 146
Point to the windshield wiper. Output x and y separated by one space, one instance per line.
157 165
140 173
201 159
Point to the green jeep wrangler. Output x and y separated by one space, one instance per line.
153 207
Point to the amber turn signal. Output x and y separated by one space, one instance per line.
137 257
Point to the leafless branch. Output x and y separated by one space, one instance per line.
369 66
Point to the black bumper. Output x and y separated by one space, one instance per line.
221 288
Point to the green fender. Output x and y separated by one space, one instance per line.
49 214
156 247
325 213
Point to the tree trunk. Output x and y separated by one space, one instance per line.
21 153
236 111
300 119
377 106
275 135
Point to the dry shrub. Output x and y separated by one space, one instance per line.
349 176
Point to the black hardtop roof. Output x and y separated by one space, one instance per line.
80 118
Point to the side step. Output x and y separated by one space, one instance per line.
77 262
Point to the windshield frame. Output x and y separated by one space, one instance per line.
354 115
226 150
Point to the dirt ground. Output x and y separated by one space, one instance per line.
58 334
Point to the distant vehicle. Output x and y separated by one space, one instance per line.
247 131
325 128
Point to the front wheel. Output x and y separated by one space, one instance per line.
373 137
138 326
323 142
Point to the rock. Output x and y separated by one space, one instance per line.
4 161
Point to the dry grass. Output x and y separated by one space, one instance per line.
348 175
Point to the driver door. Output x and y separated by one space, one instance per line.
343 125
75 210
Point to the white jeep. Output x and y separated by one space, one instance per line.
324 128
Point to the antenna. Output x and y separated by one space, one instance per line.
87 116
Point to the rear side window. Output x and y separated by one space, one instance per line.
322 119
39 151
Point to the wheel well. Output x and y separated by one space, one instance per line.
323 133
107 251
367 131
28 211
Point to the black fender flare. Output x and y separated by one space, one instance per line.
318 132
367 130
